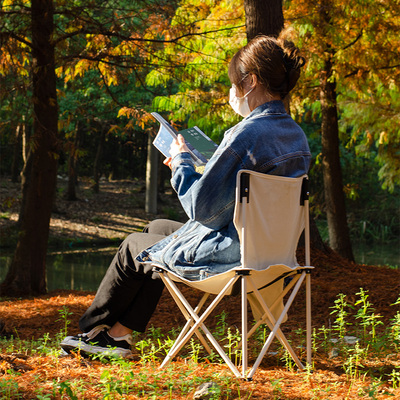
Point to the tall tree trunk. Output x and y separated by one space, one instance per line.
151 177
27 273
16 157
72 166
339 237
97 160
263 17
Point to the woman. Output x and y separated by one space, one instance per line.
267 140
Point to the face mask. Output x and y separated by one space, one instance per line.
239 104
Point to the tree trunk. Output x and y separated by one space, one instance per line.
339 237
151 177
97 160
27 273
263 17
72 166
15 165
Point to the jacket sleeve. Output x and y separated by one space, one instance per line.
208 198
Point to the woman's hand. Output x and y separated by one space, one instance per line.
177 146
167 162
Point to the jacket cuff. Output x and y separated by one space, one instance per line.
181 158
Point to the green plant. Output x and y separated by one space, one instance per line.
276 387
64 314
395 378
394 327
9 388
366 313
221 324
110 385
233 345
65 387
287 359
194 350
353 363
339 309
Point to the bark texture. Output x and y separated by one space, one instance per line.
339 236
27 273
263 17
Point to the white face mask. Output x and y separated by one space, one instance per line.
239 104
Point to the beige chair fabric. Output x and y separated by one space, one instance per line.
270 229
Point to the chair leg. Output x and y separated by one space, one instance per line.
276 331
244 326
308 317
199 323
189 320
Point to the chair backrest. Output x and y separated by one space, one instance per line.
269 216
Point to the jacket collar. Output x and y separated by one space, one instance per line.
271 107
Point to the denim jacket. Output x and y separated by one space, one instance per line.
268 141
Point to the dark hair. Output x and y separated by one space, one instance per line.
275 62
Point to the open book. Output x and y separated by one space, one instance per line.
201 147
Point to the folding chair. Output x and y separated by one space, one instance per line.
270 214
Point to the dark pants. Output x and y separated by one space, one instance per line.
129 291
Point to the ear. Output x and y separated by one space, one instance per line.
253 80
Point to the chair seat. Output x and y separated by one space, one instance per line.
215 283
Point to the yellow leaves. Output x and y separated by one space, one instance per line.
14 58
11 3
383 138
72 71
137 116
114 129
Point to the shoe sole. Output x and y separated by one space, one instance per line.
86 349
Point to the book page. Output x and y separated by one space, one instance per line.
163 141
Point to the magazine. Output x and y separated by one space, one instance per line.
201 147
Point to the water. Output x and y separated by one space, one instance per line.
84 269
77 270
377 254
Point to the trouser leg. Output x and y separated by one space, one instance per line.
162 227
129 291
125 280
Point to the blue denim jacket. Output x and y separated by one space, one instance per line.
268 141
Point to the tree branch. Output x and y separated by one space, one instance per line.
354 41
139 39
9 34
369 70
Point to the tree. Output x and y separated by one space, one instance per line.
350 81
339 235
26 272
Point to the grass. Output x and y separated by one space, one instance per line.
355 358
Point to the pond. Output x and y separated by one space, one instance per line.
76 270
84 269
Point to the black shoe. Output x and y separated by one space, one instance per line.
98 341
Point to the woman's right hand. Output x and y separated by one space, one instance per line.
178 146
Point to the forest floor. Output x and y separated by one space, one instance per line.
111 215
